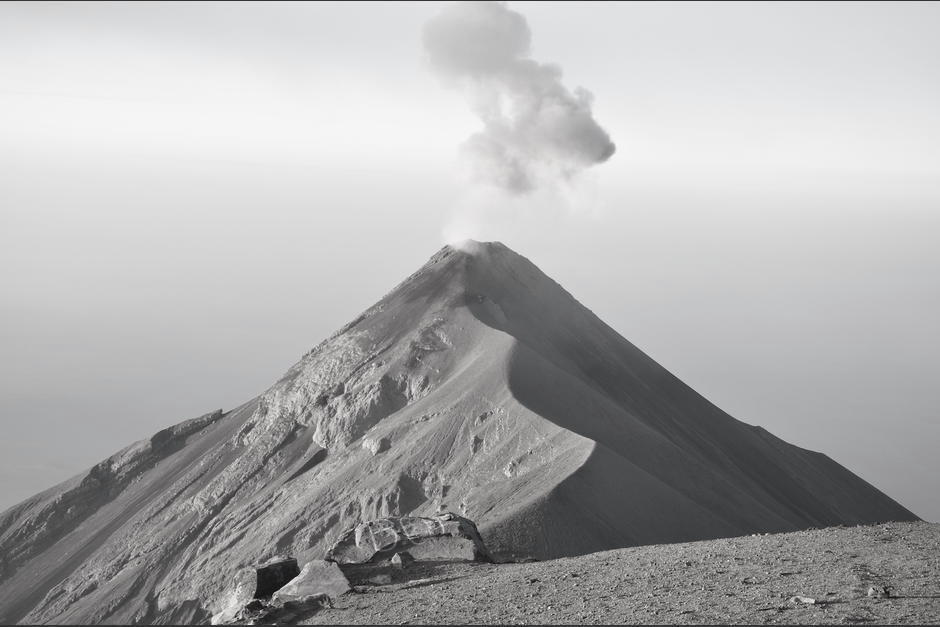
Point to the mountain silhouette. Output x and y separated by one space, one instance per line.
479 386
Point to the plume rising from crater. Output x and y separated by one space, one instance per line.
534 129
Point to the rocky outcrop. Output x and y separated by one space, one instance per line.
277 592
260 612
444 537
319 577
256 583
271 577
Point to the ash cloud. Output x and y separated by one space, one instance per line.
534 128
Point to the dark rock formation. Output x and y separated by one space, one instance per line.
274 575
272 612
278 592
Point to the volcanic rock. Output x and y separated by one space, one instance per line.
375 445
444 537
254 584
274 612
400 560
274 575
318 577
382 579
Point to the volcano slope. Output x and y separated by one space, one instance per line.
478 385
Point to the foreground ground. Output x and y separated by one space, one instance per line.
735 580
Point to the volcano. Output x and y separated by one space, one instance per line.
478 386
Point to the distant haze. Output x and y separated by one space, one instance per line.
194 195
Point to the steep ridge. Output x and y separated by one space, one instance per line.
477 385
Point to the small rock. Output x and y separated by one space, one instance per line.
402 559
309 601
806 600
879 592
376 445
381 580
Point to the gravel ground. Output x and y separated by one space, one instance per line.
736 580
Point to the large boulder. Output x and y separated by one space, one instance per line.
444 537
256 583
318 578
272 576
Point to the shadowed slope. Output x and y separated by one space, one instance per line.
714 476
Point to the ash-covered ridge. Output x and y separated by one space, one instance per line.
477 385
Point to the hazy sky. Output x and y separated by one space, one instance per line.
193 195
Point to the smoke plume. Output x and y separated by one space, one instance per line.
534 129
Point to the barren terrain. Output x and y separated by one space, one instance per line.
736 580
